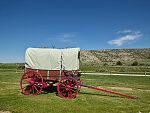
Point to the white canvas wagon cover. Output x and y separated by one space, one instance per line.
52 59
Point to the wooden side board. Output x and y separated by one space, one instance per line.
55 75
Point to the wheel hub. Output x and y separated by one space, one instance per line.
67 87
31 83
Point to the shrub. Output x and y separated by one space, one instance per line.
119 63
105 64
135 63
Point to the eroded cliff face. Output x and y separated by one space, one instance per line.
113 55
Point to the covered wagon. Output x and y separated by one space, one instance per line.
45 67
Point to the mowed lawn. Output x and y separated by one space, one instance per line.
87 100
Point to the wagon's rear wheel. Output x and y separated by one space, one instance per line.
67 88
31 83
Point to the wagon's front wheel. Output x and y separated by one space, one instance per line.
31 83
67 88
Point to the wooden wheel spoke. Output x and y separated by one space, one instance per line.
64 94
73 90
36 88
62 84
38 82
27 77
30 75
30 90
27 89
73 87
38 78
33 90
72 84
25 80
37 85
62 91
25 86
34 77
65 82
70 92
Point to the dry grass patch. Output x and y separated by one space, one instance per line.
5 112
121 88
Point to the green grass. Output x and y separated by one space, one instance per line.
87 100
115 69
10 65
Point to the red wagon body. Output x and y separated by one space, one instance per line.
54 75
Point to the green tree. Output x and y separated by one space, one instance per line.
119 63
148 57
135 63
105 64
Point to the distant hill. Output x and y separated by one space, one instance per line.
114 55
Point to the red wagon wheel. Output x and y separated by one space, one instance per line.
31 83
67 88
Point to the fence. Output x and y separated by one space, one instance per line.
117 73
12 70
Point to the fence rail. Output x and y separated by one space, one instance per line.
13 70
117 73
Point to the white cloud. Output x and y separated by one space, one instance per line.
66 37
125 39
125 31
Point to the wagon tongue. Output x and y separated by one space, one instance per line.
105 90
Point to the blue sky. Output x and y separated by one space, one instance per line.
88 24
